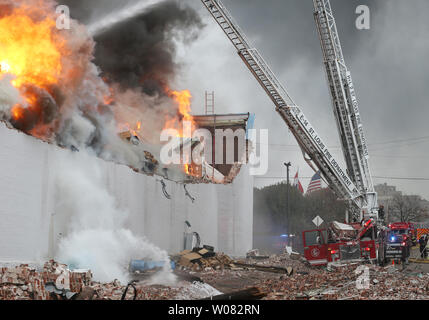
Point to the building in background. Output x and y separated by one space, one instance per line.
388 197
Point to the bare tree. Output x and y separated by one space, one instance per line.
408 208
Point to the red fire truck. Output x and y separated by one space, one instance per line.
341 242
405 228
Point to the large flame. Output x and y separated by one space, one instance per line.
39 60
183 98
183 101
29 50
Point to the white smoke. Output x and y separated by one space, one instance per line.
96 237
9 95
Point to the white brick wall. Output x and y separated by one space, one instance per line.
30 227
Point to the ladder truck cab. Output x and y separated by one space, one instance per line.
395 244
406 229
341 243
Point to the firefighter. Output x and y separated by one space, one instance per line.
381 213
423 241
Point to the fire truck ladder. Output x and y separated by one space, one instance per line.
345 104
314 149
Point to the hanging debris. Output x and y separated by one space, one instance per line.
188 194
164 190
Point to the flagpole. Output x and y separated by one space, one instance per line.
288 165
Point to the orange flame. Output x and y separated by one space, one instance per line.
29 49
187 169
134 130
183 101
17 112
183 98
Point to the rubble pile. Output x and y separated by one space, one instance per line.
219 273
115 291
55 282
203 260
294 261
341 284
26 283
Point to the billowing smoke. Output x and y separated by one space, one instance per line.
102 86
139 53
65 88
97 238
44 112
9 95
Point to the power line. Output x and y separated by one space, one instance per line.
416 140
401 141
400 156
261 177
375 177
400 178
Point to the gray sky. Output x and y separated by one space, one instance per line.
387 63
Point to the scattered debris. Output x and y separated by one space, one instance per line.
340 284
255 255
202 259
288 270
247 294
204 274
25 283
147 267
196 291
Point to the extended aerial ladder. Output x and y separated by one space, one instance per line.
315 151
345 105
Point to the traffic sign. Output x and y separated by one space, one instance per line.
318 221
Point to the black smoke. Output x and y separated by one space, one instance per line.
140 52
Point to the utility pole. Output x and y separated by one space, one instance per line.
288 165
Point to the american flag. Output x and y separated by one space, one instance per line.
297 184
315 183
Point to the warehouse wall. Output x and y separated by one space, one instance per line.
31 224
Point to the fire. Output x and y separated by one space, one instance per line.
4 67
187 171
183 101
134 130
48 67
29 50
183 98
137 129
110 97
17 112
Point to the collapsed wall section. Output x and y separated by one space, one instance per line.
31 225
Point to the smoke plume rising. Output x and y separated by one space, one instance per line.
139 53
65 88
97 238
